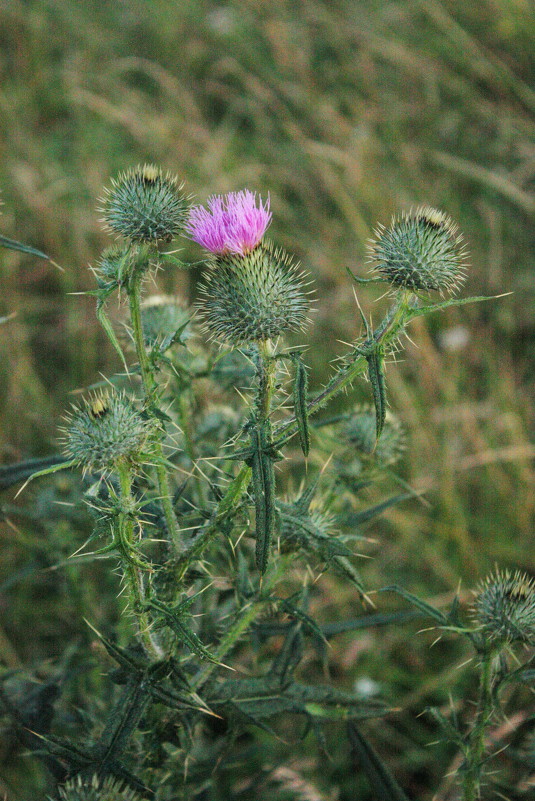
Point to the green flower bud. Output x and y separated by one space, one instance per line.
144 205
253 296
114 266
105 431
505 607
359 432
161 317
420 251
97 789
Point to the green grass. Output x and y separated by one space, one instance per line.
345 112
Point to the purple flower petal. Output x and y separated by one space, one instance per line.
232 223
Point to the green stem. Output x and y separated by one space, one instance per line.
150 388
266 379
241 624
356 365
132 573
475 751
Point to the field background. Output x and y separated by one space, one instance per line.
345 113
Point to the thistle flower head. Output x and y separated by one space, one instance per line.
420 251
97 789
505 607
161 317
232 223
144 205
106 430
255 296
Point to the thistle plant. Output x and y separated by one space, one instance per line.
212 547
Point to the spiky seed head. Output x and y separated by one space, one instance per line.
97 788
106 430
505 607
232 223
255 296
421 251
360 433
144 205
161 317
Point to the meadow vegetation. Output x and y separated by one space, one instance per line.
346 113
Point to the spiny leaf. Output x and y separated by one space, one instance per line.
104 320
450 732
11 474
415 601
289 656
418 311
12 244
174 620
383 785
263 481
123 720
300 389
296 612
376 375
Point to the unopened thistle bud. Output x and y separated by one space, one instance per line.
420 251
360 434
233 223
114 266
97 788
505 607
255 296
107 430
161 317
144 205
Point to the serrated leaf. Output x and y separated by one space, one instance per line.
368 621
450 732
11 474
289 656
291 608
436 614
383 785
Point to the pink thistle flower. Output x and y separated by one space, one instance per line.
233 223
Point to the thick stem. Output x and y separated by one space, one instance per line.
266 379
476 740
150 388
133 574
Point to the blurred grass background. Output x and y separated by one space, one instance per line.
345 112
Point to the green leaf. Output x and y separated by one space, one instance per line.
376 375
263 482
450 731
418 311
300 389
12 244
415 601
383 785
11 474
104 320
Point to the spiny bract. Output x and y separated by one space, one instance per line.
505 607
421 250
106 430
144 205
97 789
255 296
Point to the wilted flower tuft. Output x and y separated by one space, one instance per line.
144 205
233 223
105 431
421 251
251 297
505 607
